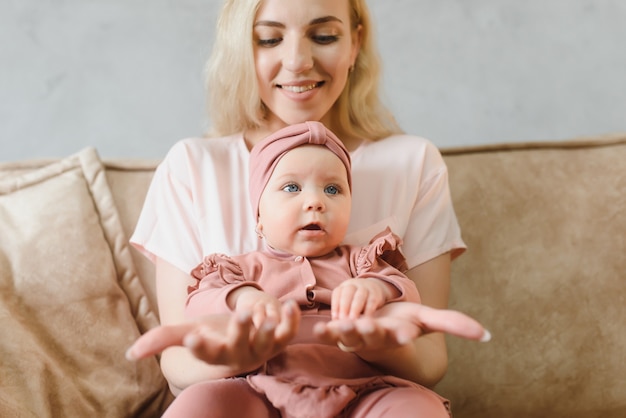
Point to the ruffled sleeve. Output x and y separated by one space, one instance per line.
216 277
385 245
383 259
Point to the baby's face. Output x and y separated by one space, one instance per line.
305 207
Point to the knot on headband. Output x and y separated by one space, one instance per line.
266 154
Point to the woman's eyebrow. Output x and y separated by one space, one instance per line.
324 19
268 23
316 21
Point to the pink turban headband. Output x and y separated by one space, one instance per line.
266 154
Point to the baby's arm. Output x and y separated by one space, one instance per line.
222 287
264 308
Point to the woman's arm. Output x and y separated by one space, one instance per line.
180 367
425 361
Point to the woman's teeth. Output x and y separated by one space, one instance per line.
299 89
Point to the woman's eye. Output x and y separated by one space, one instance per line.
325 39
291 188
269 42
331 190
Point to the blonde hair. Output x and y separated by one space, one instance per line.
234 101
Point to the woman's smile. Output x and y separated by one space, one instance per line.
299 88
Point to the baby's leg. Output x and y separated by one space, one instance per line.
224 398
402 402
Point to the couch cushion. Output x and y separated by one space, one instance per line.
129 181
70 300
545 271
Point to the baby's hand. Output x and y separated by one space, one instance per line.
356 297
265 308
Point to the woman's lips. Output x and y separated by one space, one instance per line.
300 88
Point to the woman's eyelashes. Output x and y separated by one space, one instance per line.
325 39
271 42
268 43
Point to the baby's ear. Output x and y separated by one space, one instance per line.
259 230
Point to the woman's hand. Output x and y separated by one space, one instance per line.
397 324
231 340
356 297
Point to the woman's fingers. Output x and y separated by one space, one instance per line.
228 339
399 323
426 320
373 335
341 332
158 339
155 341
233 339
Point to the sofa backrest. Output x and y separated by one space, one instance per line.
545 271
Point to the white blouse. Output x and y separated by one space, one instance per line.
197 203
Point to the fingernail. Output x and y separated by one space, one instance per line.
190 341
367 328
292 305
130 356
403 339
244 316
486 337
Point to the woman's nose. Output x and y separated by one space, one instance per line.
298 57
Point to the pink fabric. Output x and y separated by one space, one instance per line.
235 397
308 281
267 153
319 381
223 398
307 379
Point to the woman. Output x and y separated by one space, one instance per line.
276 63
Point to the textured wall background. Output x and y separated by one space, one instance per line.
126 76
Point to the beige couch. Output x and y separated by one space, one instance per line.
545 272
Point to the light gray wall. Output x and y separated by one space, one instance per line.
126 75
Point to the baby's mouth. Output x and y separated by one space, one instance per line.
312 227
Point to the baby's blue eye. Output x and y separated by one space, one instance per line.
331 190
291 188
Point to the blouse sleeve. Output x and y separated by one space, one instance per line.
401 182
433 228
167 227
